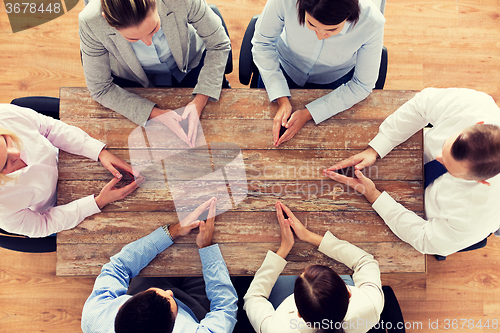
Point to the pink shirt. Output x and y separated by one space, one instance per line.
27 205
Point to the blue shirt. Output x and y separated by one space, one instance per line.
157 60
111 286
279 39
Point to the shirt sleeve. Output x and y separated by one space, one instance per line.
433 236
268 28
63 136
209 27
220 292
256 303
41 224
358 88
412 116
115 277
366 274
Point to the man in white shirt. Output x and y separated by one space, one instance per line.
461 204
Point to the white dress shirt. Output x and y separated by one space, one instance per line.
365 304
459 212
280 39
157 60
27 204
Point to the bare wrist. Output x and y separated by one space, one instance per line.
283 252
372 196
99 203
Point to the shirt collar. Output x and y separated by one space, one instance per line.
347 25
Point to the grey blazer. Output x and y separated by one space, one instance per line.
190 27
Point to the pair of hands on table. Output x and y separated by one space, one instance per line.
172 119
361 184
110 193
293 125
190 222
289 224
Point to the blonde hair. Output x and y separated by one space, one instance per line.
17 141
121 14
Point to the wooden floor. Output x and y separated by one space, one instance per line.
431 43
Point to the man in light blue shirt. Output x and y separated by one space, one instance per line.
109 309
323 44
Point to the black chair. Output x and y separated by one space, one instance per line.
391 316
476 246
48 106
249 73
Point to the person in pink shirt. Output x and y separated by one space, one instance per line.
29 148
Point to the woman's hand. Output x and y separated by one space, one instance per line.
295 123
110 161
287 239
206 233
302 233
281 118
110 194
192 113
172 120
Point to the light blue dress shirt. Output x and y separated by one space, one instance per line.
157 60
280 39
111 286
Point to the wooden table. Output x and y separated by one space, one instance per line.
245 233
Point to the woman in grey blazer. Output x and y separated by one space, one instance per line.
153 43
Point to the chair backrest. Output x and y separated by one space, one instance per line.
390 314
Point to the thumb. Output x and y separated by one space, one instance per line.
194 225
202 226
290 122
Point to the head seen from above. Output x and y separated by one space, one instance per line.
327 17
473 154
10 154
151 311
134 19
320 294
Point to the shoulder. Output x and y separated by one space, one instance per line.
92 14
370 14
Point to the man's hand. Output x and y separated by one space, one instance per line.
110 161
287 239
281 118
361 160
110 194
362 184
295 123
194 216
206 233
172 120
176 230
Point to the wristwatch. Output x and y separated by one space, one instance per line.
165 227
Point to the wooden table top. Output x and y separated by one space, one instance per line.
245 233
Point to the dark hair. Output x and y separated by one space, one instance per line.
321 294
329 12
145 312
122 14
479 145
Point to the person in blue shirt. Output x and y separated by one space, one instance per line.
317 44
111 309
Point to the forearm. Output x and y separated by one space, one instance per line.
220 291
41 224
